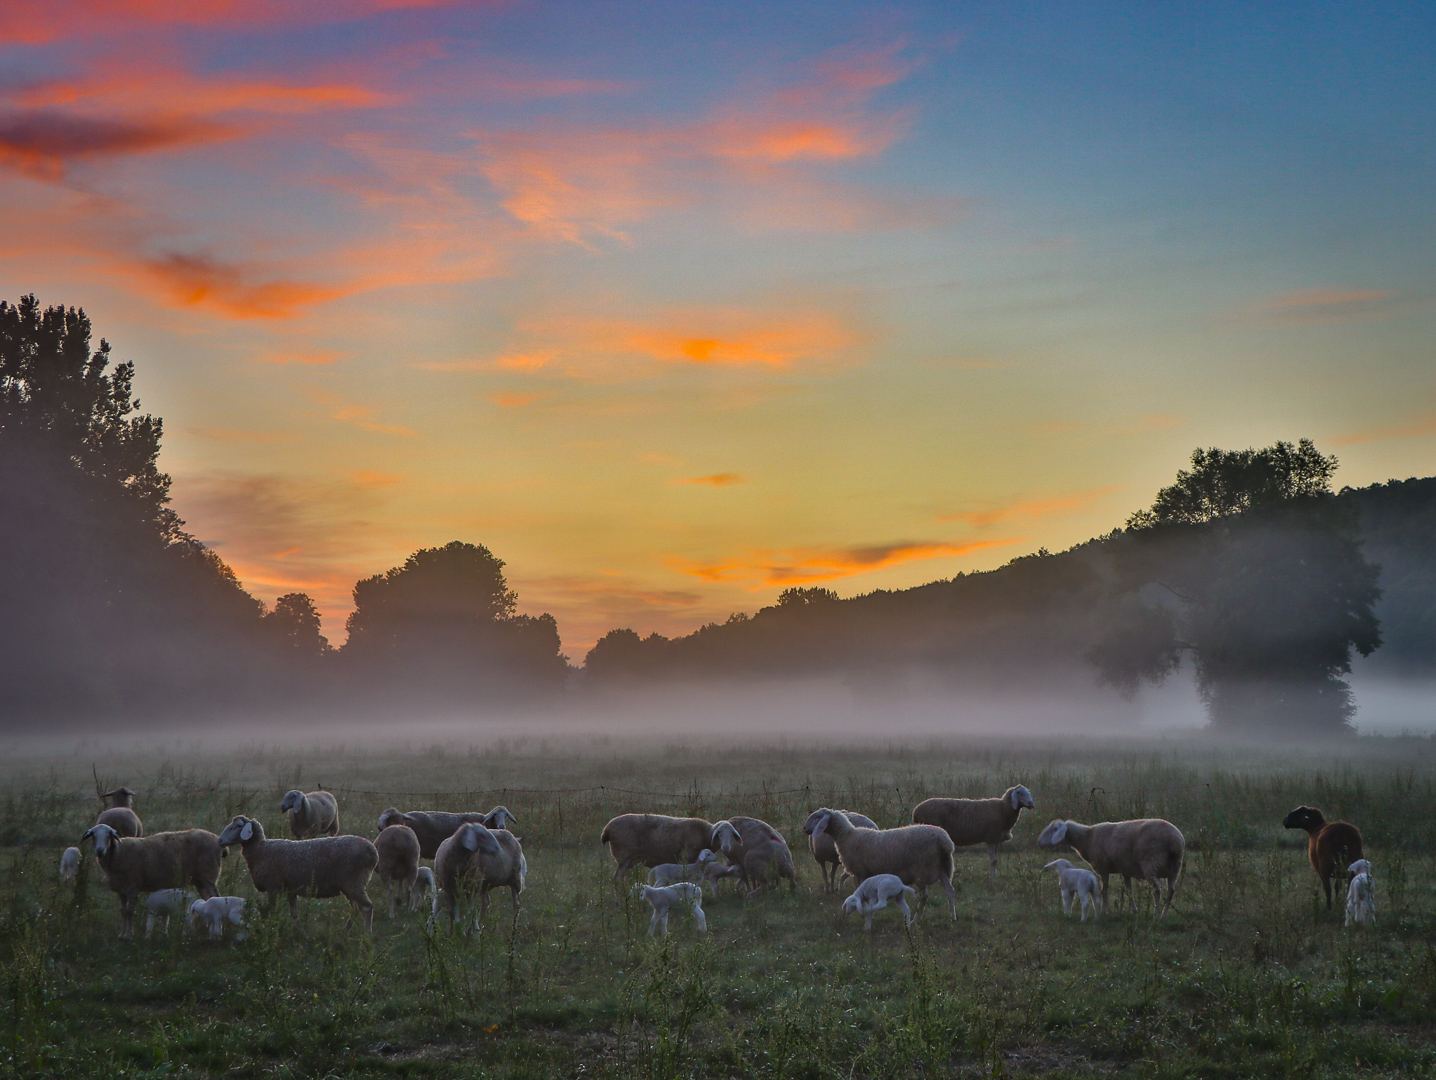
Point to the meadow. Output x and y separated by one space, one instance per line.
1249 975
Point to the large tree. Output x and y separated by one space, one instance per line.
1250 565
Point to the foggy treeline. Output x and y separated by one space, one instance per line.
1248 567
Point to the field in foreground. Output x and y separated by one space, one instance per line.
1249 975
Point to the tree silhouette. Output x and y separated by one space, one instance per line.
295 623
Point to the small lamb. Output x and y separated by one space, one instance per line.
666 897
1079 882
668 873
423 885
873 895
213 913
162 903
69 863
1361 894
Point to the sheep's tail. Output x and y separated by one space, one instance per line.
945 863
603 836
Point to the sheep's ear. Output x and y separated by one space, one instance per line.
822 824
248 830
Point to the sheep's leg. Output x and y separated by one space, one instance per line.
127 916
294 906
389 894
992 862
906 911
366 908
514 898
149 924
699 919
868 921
1326 884
1171 892
1104 889
946 883
1129 893
1066 901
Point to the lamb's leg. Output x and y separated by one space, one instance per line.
1066 901
653 923
868 921
906 911
946 883
699 919
149 923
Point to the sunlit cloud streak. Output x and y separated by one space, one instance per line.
1034 509
763 570
722 479
1319 306
1416 427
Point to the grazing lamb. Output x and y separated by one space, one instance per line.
1361 894
976 821
653 839
423 883
825 852
133 865
919 854
163 903
1330 845
321 867
69 863
767 862
477 859
398 849
668 873
215 911
873 895
433 827
314 814
735 835
664 899
121 815
1080 882
1147 848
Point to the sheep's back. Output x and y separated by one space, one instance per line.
657 838
398 849
166 860
908 852
122 819
314 867
433 827
968 821
1124 847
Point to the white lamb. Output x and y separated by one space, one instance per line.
663 898
162 903
1079 882
873 895
668 873
1361 894
213 913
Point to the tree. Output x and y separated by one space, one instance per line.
295 623
1252 567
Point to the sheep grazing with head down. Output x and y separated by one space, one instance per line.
398 850
320 867
977 821
664 899
766 864
873 895
652 840
1149 849
215 912
164 903
433 827
1079 882
1361 894
825 852
920 855
69 863
134 865
313 814
733 836
475 860
1330 845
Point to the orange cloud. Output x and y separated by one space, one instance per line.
722 479
366 478
515 401
1036 509
306 357
358 415
40 144
1307 307
196 281
1417 427
766 570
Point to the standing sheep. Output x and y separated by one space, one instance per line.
825 852
918 854
663 899
477 859
398 850
653 839
433 827
1330 845
164 903
976 821
314 814
215 911
121 815
133 865
321 867
69 863
1147 848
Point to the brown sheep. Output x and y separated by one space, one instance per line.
920 855
735 835
1330 845
320 867
134 865
825 852
433 827
1147 848
653 839
398 850
976 821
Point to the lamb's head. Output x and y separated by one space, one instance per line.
197 909
724 836
500 818
1061 864
1304 817
240 831
424 880
474 837
707 855
851 905
1054 834
1019 798
292 800
389 817
105 839
639 890
1360 866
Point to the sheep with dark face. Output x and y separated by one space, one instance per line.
134 865
312 814
1148 849
920 855
433 827
320 867
1330 845
976 821
475 860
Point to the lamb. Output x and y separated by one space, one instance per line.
825 852
215 911
653 839
977 821
141 864
162 903
433 827
918 854
314 814
121 815
1079 882
668 873
873 895
662 900
423 883
1361 894
1147 848
1329 845
715 872
398 849
69 863
478 858
765 863
320 867
735 835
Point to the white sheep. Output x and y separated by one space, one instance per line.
976 821
919 854
1079 882
320 867
162 903
69 863
668 873
825 852
1150 849
423 884
874 893
477 859
134 865
215 911
663 899
1361 894
312 814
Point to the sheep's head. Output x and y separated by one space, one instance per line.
120 796
1360 866
389 817
500 818
240 830
1304 817
850 905
1061 864
474 837
724 836
104 837
292 800
1019 798
817 822
1054 834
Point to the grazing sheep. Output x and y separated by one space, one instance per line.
653 839
919 854
423 883
133 865
873 895
398 849
1330 845
735 835
478 859
433 827
825 852
766 863
215 911
314 814
976 821
1361 894
663 899
322 867
668 873
69 863
1079 882
1148 848
163 903
121 815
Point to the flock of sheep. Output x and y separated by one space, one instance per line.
474 853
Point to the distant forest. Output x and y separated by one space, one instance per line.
1249 567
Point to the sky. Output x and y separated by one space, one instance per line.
673 306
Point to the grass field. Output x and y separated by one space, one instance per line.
1250 976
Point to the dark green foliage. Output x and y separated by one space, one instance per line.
1398 525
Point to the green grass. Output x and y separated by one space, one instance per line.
1249 976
